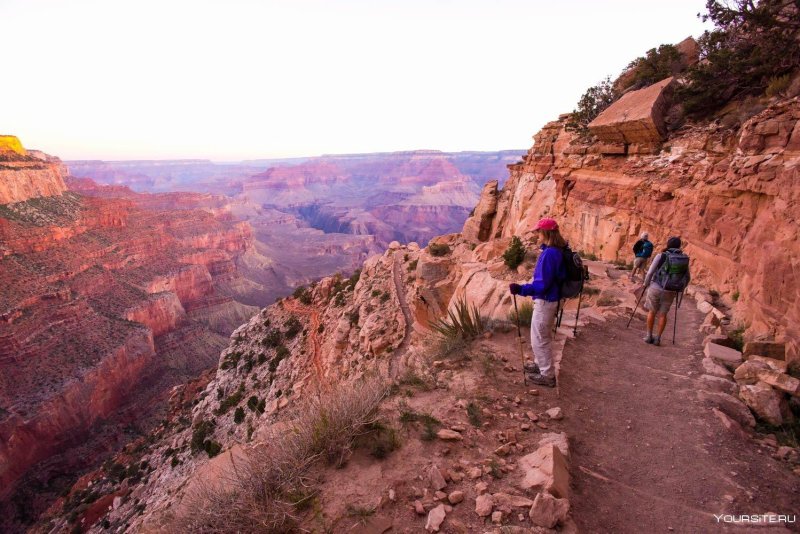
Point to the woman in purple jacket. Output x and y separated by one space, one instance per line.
547 277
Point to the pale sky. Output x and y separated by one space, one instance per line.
238 79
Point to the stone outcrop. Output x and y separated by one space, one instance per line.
24 176
636 118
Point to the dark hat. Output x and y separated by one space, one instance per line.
674 242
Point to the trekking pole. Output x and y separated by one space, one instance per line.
519 341
678 296
577 313
637 307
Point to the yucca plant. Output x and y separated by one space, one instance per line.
525 314
462 321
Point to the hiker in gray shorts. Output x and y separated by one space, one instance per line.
660 277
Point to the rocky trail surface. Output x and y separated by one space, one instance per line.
647 454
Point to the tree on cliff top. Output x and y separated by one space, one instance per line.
592 103
654 66
752 43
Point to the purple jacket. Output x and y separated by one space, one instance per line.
547 275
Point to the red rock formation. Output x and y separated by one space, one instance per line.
26 175
100 298
731 195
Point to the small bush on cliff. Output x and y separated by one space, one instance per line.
293 327
303 295
230 401
751 44
273 339
238 415
657 64
514 254
199 433
438 249
281 353
596 99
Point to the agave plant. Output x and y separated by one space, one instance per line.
462 321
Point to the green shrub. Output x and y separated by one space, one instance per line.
281 353
438 249
462 321
199 433
303 295
751 45
353 317
293 327
514 254
592 103
474 414
737 336
238 415
273 339
375 293
231 360
525 314
657 64
735 296
777 85
212 448
230 401
413 265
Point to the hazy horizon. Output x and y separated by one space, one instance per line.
269 80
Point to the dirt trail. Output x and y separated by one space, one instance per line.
647 455
313 318
400 293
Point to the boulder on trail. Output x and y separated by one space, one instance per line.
437 478
715 383
435 519
548 511
714 369
727 356
770 349
778 365
764 401
555 414
780 381
730 406
505 500
559 439
446 434
747 373
546 469
484 505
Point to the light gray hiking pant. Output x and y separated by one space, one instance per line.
544 317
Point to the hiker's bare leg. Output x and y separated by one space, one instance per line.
651 319
662 323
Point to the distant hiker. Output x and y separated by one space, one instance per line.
642 250
667 277
544 289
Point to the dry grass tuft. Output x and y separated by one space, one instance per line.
265 492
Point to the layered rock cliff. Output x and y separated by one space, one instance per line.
103 302
25 175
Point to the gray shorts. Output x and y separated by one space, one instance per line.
659 300
638 263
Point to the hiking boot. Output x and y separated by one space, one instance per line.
657 341
649 339
539 380
531 368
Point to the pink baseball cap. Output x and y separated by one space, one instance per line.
546 224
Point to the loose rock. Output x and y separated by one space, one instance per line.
547 511
435 519
484 505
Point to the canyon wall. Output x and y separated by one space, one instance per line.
732 196
108 301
